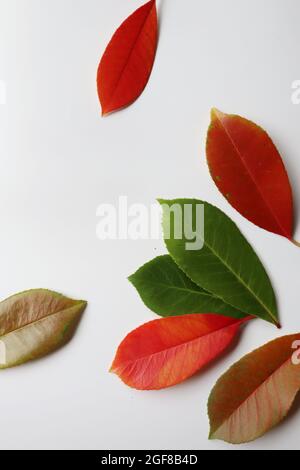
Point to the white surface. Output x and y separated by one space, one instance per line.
59 160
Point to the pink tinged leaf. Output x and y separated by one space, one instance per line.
165 352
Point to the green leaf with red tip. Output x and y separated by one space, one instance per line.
256 393
165 352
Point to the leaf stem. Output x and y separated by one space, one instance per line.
296 243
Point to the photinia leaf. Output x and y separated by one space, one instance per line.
248 170
165 352
34 323
167 291
226 265
256 393
127 63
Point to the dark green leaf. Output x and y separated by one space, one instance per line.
167 291
226 265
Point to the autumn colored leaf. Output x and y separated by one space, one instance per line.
127 63
168 351
35 323
249 171
167 291
224 264
256 393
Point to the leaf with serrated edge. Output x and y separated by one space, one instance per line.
34 323
256 393
167 291
165 352
226 266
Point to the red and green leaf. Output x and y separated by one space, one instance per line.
165 352
127 63
249 171
256 393
35 323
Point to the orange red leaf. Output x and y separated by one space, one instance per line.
248 170
165 352
257 392
127 63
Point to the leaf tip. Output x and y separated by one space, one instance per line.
112 369
83 303
216 114
104 113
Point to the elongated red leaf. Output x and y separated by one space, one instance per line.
257 392
166 352
127 63
249 172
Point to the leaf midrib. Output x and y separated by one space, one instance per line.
269 208
27 325
251 394
184 289
235 323
236 275
130 54
242 282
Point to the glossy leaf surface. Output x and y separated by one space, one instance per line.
249 171
127 63
226 265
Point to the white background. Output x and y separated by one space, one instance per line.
59 160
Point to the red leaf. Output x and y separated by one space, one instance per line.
127 63
249 172
256 393
165 352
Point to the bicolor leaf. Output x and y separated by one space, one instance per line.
256 393
35 323
168 351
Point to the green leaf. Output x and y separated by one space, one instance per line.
35 323
167 291
226 265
